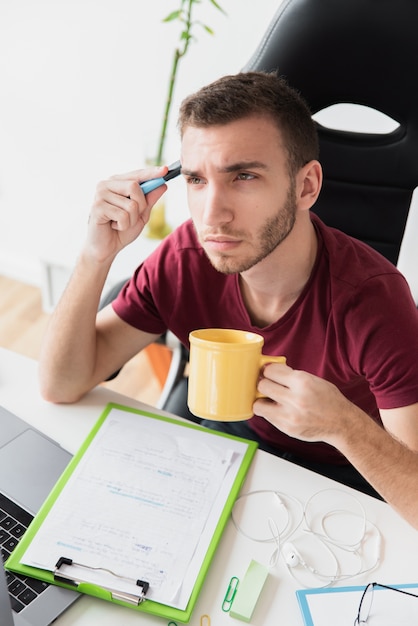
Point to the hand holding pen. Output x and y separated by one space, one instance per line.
173 170
120 211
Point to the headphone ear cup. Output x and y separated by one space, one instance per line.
291 555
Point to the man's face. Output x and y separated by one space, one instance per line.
241 198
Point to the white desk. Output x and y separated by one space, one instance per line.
69 424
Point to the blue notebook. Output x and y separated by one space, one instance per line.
339 605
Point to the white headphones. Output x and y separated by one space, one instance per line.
291 555
316 528
294 559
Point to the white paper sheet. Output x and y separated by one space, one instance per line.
142 503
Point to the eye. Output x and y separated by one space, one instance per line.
245 176
194 180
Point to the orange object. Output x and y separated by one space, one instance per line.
160 358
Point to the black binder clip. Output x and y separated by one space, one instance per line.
57 575
131 598
144 586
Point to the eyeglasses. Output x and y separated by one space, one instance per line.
366 601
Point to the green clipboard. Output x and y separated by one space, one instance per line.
147 606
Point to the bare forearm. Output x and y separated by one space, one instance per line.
77 351
386 463
68 355
311 409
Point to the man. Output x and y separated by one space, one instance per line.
254 257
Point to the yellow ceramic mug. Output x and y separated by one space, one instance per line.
223 373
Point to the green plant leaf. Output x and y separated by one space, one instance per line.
172 16
185 35
215 4
184 17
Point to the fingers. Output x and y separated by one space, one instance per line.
114 203
279 372
272 384
120 211
142 175
288 387
300 404
272 377
120 199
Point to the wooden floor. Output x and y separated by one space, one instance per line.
23 323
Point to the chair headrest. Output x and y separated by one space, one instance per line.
353 51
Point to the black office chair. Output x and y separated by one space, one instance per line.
357 52
362 52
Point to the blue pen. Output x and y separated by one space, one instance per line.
173 170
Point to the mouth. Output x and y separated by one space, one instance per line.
220 243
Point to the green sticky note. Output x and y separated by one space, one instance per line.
248 592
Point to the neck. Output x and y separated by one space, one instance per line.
272 286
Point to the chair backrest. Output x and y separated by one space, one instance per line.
362 52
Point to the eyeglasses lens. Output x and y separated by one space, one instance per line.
366 604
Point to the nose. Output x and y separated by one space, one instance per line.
216 206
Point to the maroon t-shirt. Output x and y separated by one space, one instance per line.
355 324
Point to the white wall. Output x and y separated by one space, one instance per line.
82 90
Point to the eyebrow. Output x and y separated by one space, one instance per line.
234 167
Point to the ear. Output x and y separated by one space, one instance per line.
308 184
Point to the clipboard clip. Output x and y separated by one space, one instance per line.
75 581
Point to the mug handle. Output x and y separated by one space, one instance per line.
264 359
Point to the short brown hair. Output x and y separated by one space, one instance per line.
232 98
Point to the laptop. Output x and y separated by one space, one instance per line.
30 465
6 616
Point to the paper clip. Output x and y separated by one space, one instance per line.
171 624
230 594
204 620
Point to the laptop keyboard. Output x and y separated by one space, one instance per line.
13 522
